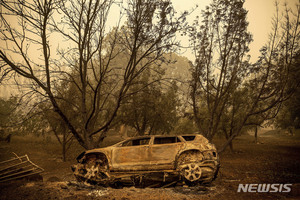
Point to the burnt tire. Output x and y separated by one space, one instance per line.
191 173
187 164
96 172
93 170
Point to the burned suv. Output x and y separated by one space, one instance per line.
190 157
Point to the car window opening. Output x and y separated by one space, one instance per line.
166 140
189 137
137 142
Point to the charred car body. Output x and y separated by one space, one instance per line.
191 157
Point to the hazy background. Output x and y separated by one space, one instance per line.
260 13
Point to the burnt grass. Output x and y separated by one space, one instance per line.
274 160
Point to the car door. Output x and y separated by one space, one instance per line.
131 155
163 151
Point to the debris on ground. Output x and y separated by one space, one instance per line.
18 168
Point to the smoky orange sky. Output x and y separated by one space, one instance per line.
260 13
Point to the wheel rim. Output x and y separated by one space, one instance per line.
91 172
192 172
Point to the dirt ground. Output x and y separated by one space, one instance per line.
274 160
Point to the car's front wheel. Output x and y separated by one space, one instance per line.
93 170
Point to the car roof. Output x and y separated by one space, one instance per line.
147 136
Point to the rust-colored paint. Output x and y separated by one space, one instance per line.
130 157
195 159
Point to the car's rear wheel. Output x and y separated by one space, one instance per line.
187 164
191 172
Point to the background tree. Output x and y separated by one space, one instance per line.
153 109
148 33
269 85
56 126
289 114
66 96
220 44
8 115
224 84
44 121
231 117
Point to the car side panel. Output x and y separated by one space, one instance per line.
163 156
130 158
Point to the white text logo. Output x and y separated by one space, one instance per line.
276 187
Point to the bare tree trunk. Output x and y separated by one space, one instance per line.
64 143
227 136
255 135
231 143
